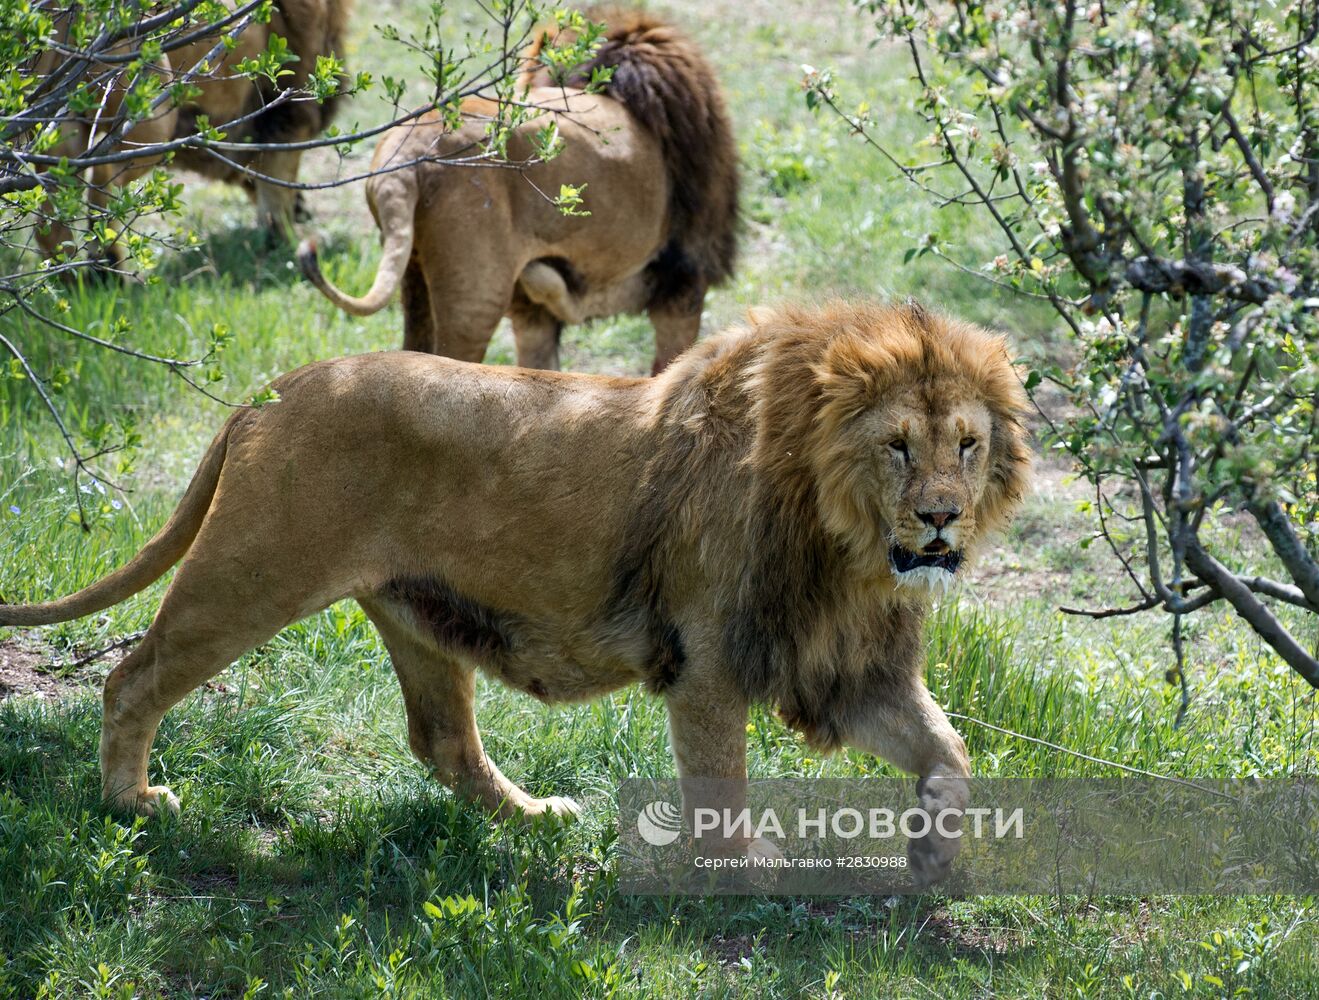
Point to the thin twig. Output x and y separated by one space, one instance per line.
91 657
1134 609
79 462
1085 756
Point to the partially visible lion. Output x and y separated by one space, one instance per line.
246 110
656 159
765 522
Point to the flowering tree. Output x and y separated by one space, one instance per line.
1153 167
90 91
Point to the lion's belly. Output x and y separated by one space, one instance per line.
564 672
553 661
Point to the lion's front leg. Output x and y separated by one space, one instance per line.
707 729
912 732
677 326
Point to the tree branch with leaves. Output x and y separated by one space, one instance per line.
99 97
1153 169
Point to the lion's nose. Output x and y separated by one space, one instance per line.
939 518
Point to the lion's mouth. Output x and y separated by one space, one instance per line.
937 555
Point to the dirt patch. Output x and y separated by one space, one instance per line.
1050 552
25 669
733 951
219 882
33 668
1015 568
965 938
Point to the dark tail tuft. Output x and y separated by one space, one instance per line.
308 262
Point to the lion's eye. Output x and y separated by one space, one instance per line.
899 447
967 444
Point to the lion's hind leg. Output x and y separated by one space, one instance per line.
439 694
536 333
417 321
235 589
677 325
191 640
128 726
470 289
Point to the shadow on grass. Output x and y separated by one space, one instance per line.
266 877
382 865
363 882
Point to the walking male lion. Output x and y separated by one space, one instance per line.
764 522
655 156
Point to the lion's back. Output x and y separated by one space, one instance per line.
312 28
410 404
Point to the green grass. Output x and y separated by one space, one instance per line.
315 856
311 844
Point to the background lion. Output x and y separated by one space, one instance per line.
656 155
312 28
764 522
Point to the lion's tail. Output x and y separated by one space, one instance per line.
158 555
396 204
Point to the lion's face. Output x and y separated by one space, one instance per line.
932 469
917 447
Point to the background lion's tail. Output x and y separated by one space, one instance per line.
158 555
395 198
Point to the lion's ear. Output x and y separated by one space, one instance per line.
1010 471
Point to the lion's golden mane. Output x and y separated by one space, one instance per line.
754 467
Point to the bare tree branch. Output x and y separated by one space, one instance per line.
1249 608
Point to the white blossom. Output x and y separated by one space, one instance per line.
1284 206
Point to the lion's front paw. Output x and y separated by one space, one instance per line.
764 864
943 798
930 859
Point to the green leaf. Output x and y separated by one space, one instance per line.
570 200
